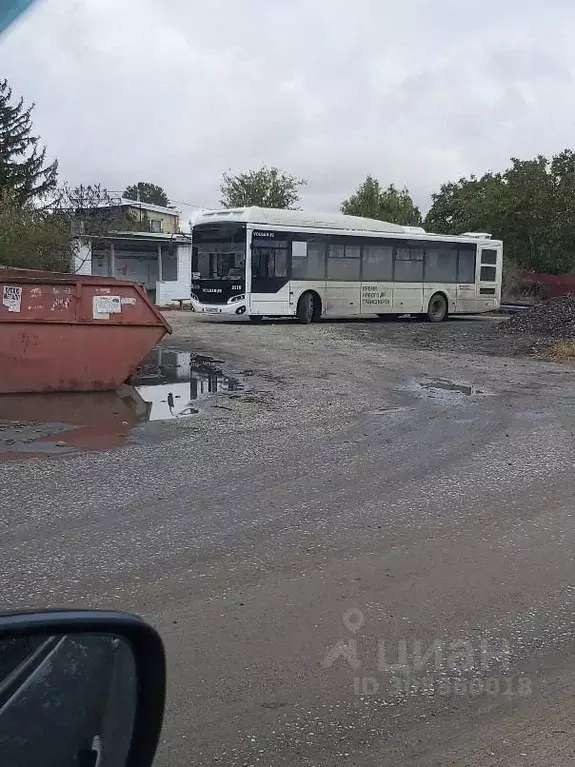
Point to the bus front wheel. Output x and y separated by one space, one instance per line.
308 308
437 309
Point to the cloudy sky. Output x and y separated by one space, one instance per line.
415 92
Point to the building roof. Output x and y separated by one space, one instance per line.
158 237
125 202
150 235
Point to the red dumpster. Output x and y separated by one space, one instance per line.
66 332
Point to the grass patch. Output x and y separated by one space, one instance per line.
563 350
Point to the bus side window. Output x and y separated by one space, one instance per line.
308 259
488 257
377 262
280 266
466 266
488 265
299 260
344 261
440 264
256 262
270 260
408 264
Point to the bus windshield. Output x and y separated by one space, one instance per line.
219 252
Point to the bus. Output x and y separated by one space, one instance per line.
264 262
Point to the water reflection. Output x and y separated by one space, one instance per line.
168 384
172 382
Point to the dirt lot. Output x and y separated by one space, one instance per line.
478 334
472 335
374 491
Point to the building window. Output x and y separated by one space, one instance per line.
156 225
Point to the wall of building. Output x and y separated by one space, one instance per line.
170 222
168 291
139 267
139 262
132 261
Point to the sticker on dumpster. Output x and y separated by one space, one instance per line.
12 297
128 301
103 306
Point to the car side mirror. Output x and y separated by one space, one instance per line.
80 689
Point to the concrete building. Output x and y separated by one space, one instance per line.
148 217
159 259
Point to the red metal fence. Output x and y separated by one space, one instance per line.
553 284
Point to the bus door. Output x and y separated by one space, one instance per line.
490 263
269 273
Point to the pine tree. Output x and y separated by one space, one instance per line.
23 172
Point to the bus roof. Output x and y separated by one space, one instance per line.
334 221
295 218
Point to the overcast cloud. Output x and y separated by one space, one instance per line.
416 92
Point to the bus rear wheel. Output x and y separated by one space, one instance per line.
437 309
308 308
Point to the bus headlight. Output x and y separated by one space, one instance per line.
235 299
194 297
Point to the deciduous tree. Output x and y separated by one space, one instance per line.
32 237
530 206
144 191
266 188
371 200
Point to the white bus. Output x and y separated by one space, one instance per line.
287 263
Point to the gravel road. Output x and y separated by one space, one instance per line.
365 558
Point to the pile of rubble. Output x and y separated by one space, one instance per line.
554 318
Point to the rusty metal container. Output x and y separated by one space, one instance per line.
66 332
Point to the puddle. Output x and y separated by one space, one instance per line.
444 387
450 386
168 385
533 415
174 383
